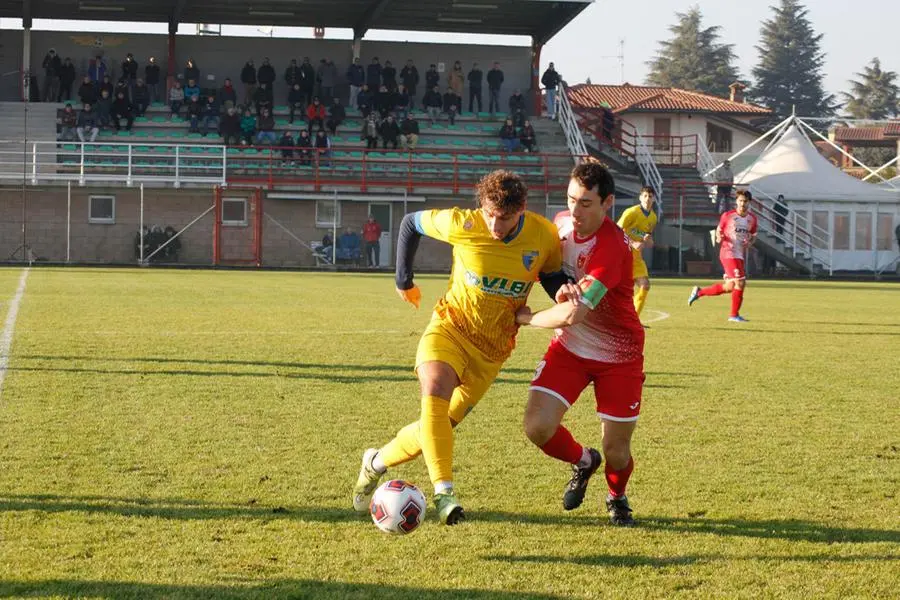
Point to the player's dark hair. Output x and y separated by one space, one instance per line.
647 189
592 175
745 193
503 190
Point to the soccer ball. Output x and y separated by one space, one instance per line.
397 507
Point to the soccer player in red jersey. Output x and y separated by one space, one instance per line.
599 340
736 233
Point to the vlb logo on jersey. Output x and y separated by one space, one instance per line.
529 258
500 286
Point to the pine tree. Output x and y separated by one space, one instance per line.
789 72
875 95
694 59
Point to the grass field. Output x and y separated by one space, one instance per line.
196 434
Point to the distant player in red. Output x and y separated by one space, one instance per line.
736 233
599 340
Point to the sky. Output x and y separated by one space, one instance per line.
851 39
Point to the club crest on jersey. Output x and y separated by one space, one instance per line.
528 259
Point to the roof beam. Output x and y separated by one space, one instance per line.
26 14
177 12
368 17
556 25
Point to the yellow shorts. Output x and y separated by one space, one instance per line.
442 342
640 268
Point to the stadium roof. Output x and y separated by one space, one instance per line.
540 19
641 98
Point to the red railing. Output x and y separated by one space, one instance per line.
452 169
616 133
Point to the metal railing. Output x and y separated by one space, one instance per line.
649 171
574 135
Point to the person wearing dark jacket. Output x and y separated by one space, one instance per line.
384 102
409 130
432 77
409 78
551 81
191 71
104 109
495 82
248 78
323 147
266 73
373 74
194 113
265 128
451 105
129 73
263 97
122 109
304 148
51 66
527 137
66 80
356 77
390 132
286 145
292 74
226 97
433 104
475 78
307 80
389 76
296 102
67 121
107 84
87 123
210 115
230 127
401 103
87 92
336 116
508 136
140 98
370 132
151 79
516 101
364 101
315 115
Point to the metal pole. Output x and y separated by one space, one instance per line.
141 234
873 238
334 238
68 220
680 227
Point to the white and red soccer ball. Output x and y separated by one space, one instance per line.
397 507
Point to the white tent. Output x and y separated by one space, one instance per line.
891 184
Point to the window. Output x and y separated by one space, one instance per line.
102 210
885 237
325 213
820 229
234 212
718 139
841 240
863 231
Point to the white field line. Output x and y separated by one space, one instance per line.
9 326
660 316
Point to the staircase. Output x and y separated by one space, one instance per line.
768 242
688 200
21 124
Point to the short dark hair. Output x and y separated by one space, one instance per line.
745 193
647 189
593 175
503 190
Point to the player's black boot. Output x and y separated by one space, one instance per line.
577 486
619 511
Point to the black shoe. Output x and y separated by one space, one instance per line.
577 486
619 511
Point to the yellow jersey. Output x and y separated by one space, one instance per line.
490 279
636 224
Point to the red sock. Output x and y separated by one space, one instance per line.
562 446
737 298
713 290
617 480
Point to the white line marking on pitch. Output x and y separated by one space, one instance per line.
7 336
661 316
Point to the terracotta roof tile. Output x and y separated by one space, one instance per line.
624 98
873 133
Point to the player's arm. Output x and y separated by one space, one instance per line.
626 223
720 229
435 224
559 315
553 279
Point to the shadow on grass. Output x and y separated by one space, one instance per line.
659 562
741 329
277 588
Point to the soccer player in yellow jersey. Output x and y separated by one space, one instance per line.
499 252
639 221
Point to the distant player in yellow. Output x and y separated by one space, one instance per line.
639 221
499 251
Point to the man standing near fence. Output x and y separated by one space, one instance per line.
372 236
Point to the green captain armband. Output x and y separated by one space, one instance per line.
592 292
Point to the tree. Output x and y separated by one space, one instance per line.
789 72
875 95
694 59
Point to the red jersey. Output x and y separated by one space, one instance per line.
612 331
371 232
736 232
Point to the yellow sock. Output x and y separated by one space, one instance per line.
437 438
405 446
640 296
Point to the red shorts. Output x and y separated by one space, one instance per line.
734 268
617 386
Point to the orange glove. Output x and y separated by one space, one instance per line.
413 295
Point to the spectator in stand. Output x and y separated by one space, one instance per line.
292 77
122 109
356 77
389 76
104 109
323 147
402 100
364 101
373 74
129 74
348 247
336 116
519 118
432 78
107 84
97 70
176 99
87 123
307 81
248 78
263 97
781 213
248 127
194 114
191 90
122 86
66 80
226 96
608 123
304 148
476 78
327 76
433 104
265 128
372 236
87 91
327 245
409 129
315 115
51 65
210 115
67 122
456 80
151 78
296 101
384 102
452 102
508 136
370 132
516 102
551 81
390 132
286 145
527 137
266 74
230 127
140 98
191 71
725 184
409 78
495 82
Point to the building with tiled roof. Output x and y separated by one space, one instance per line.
882 135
